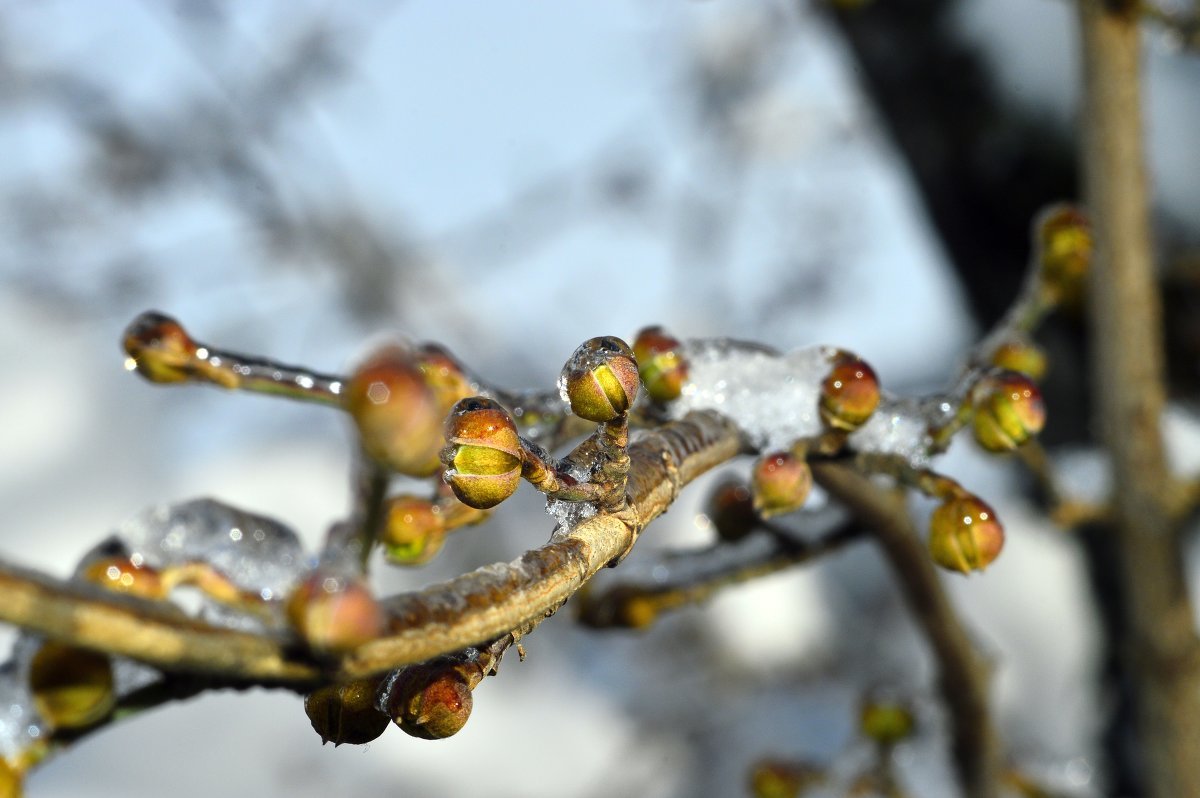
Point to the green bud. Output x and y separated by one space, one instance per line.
774 778
600 381
780 484
965 535
1008 411
72 687
334 615
483 460
660 363
159 348
413 531
886 722
1022 356
432 700
444 375
397 414
1063 238
346 713
849 394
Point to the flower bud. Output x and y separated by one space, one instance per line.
600 380
1008 411
849 394
1022 356
660 363
444 375
159 348
781 483
773 778
413 530
964 535
886 722
432 700
483 460
334 615
120 573
72 688
397 414
1064 245
346 713
731 510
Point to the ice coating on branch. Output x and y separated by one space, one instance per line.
20 725
773 398
898 427
566 513
257 554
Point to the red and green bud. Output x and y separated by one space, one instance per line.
159 348
334 615
601 379
121 574
849 394
731 510
72 688
965 535
780 484
1022 356
661 364
431 701
346 713
886 722
1008 411
398 416
483 460
1063 237
413 530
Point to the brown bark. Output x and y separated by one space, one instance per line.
1126 325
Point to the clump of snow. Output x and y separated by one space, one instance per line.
897 427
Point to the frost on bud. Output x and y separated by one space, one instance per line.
774 778
346 713
849 394
964 535
396 412
1022 356
660 363
413 530
334 615
72 688
886 722
600 380
431 701
483 460
122 574
159 348
1064 245
1008 411
731 510
781 483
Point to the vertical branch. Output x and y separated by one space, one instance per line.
1126 325
962 673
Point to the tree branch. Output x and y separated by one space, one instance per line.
471 609
1126 326
962 673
